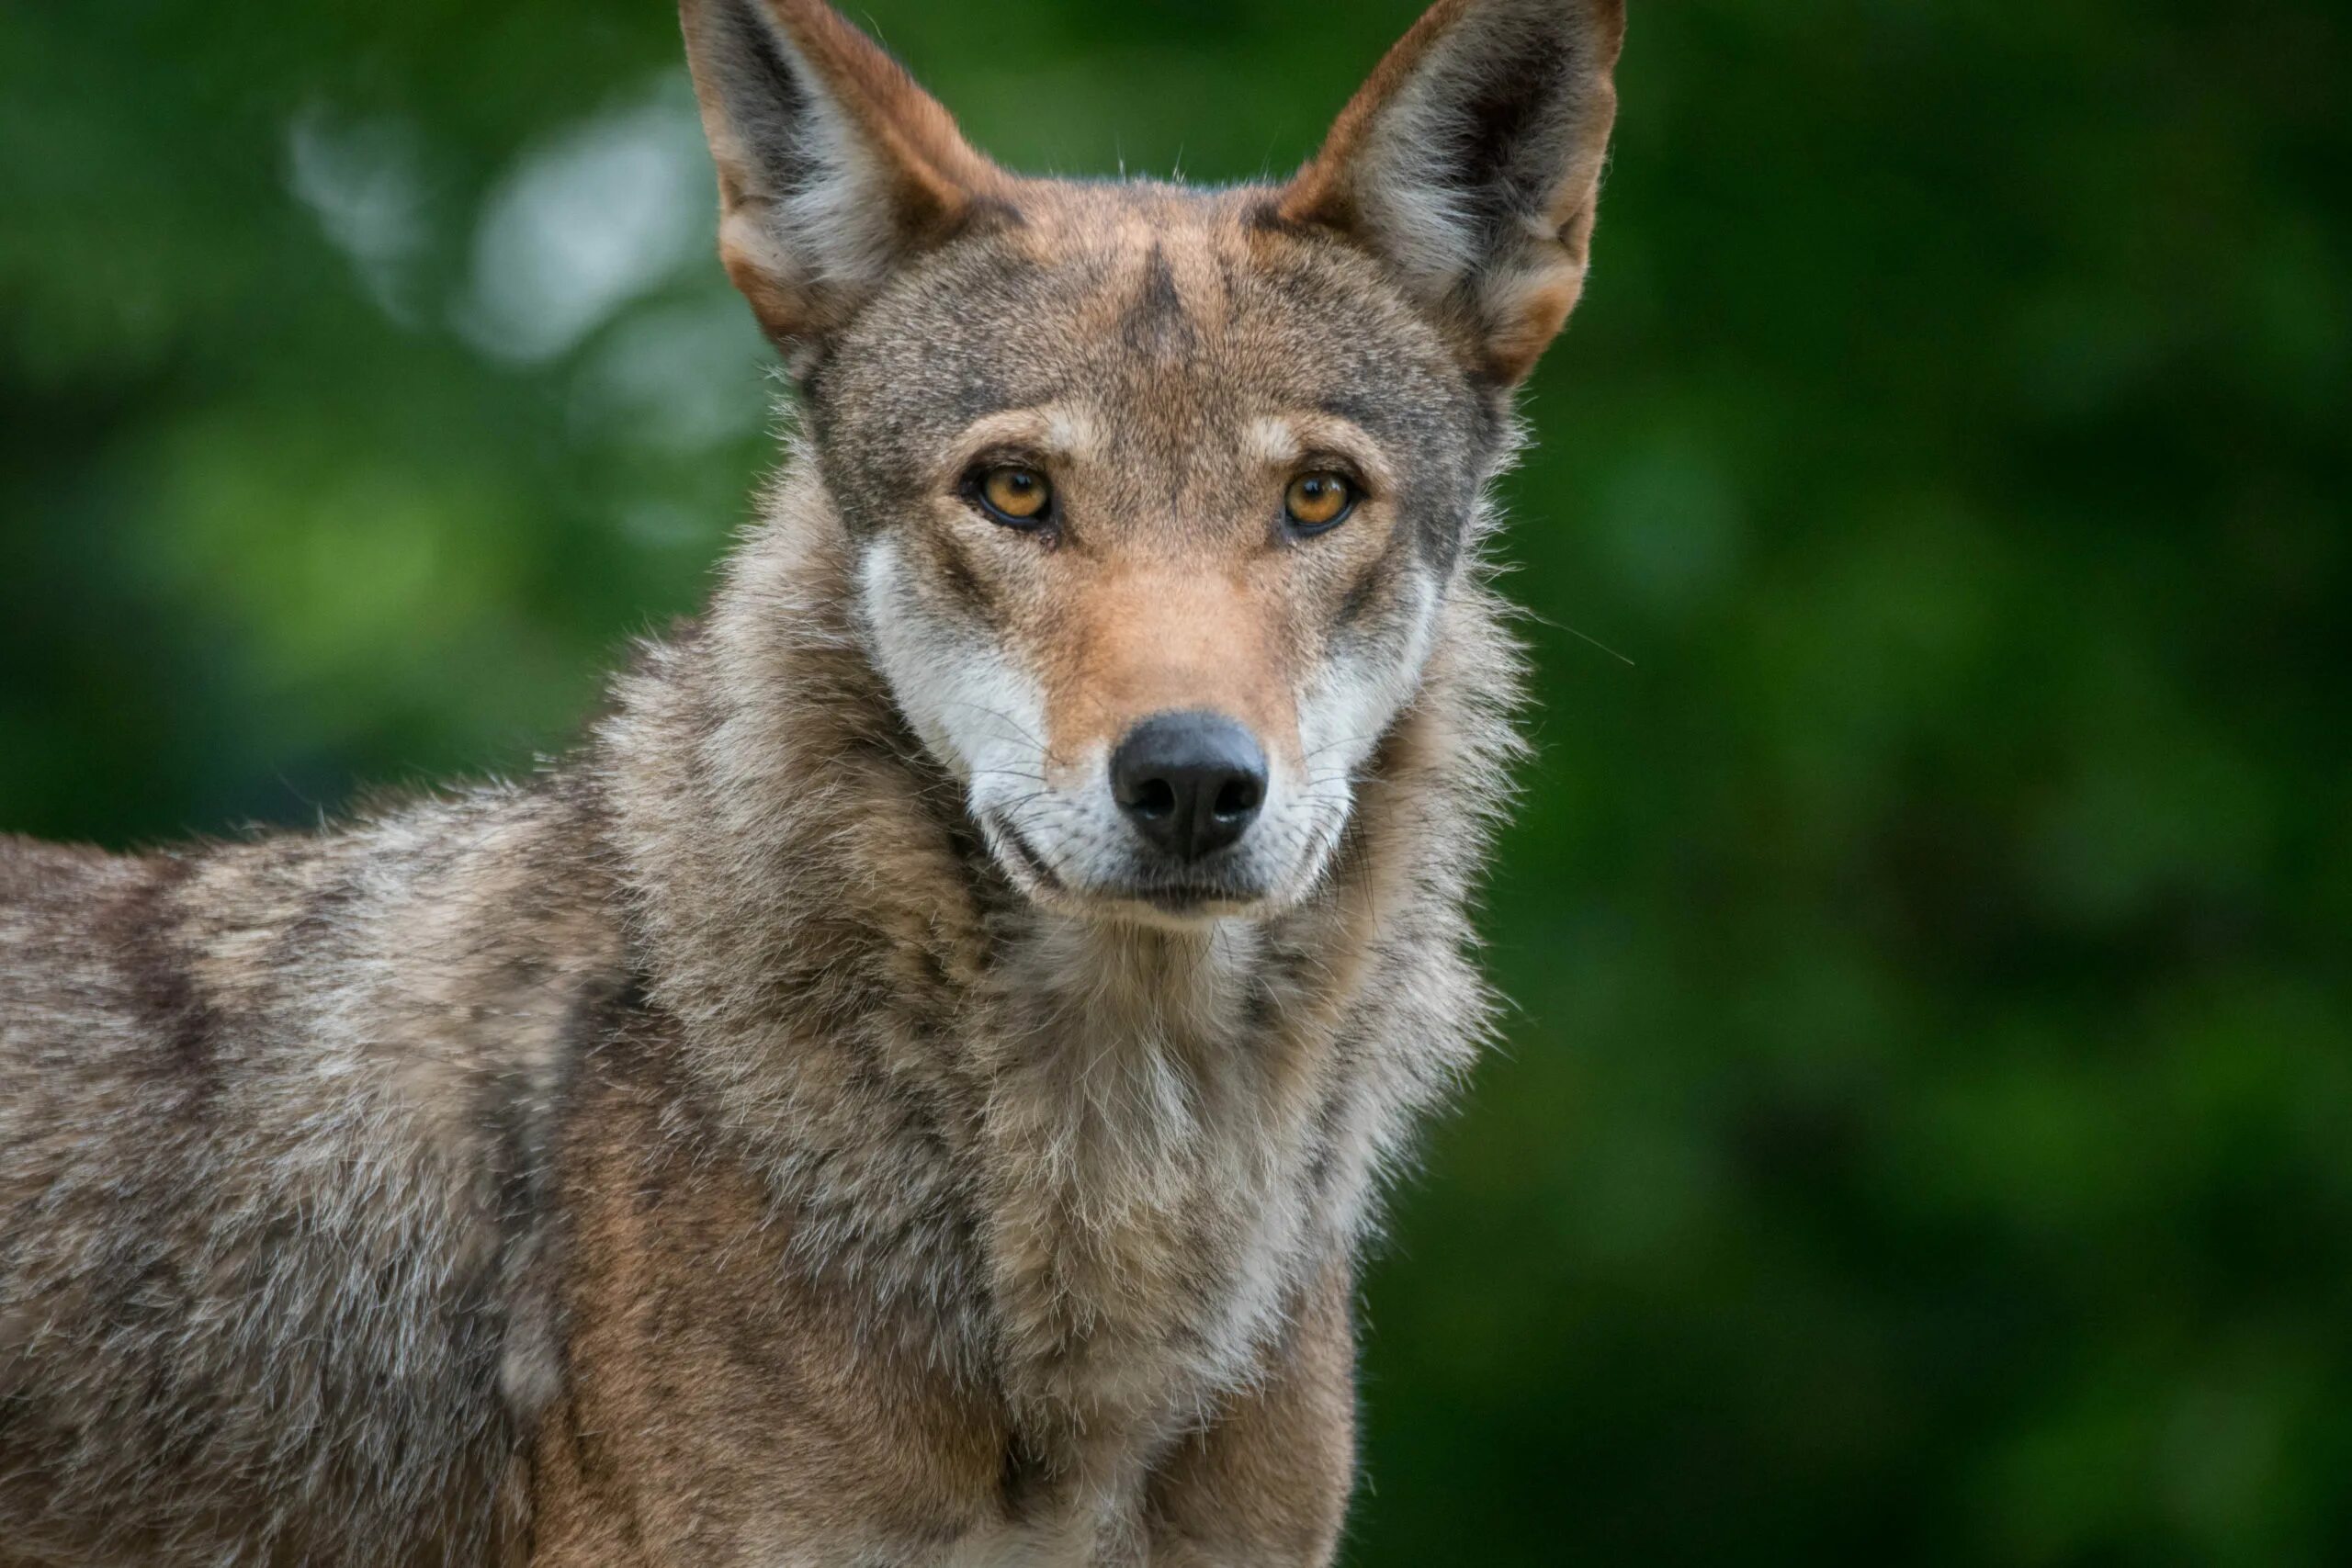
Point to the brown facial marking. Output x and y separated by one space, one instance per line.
1143 639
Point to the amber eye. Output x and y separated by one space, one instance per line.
1317 502
1015 495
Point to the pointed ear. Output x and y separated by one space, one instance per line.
833 167
1471 161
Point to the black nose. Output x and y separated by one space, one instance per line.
1191 782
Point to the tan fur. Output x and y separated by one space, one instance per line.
1145 640
927 175
806 1125
1519 309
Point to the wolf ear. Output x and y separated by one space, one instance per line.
833 166
1471 161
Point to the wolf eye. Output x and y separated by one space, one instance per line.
1317 502
1013 495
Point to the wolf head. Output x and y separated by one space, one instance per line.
1156 494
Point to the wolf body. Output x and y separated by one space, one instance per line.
911 1088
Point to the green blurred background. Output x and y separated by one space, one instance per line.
1925 1133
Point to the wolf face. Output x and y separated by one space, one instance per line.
1152 542
1156 494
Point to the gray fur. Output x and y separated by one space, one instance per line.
274 1119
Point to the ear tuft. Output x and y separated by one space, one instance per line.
1471 163
835 167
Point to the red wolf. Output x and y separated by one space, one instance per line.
911 1088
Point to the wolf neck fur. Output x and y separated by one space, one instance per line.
1090 1165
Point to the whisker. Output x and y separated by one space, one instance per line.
1313 751
1018 727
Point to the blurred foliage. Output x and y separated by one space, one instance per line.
1926 1133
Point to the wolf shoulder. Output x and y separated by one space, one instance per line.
408 970
277 1124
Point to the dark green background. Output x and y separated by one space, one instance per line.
1926 1136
